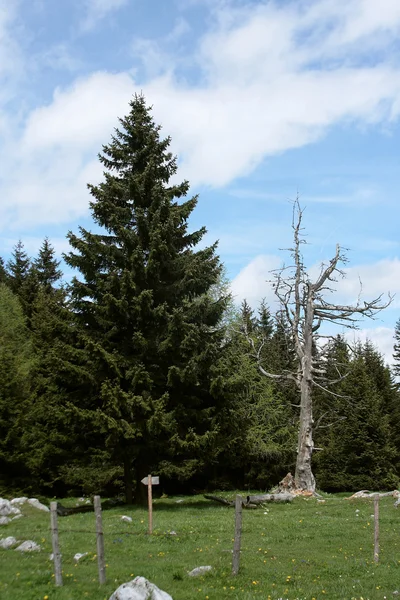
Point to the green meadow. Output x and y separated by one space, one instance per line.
306 550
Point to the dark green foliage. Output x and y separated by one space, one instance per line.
16 364
145 314
3 272
23 279
18 268
47 266
259 425
358 450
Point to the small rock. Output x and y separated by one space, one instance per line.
88 501
139 589
19 501
126 519
17 517
321 501
4 520
28 546
397 503
36 504
8 542
173 532
179 501
199 571
6 508
78 556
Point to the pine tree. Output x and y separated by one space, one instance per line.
16 360
358 450
3 272
47 266
143 306
18 267
265 322
248 319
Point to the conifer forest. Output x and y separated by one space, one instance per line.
142 362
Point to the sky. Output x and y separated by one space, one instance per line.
264 100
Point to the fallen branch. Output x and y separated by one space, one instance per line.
262 498
253 501
64 511
368 494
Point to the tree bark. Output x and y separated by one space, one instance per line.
128 480
304 478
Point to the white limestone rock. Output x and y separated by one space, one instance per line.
139 589
79 555
17 517
126 519
7 509
5 520
8 542
28 546
19 501
199 571
36 504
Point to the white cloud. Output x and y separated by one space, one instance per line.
275 77
371 280
270 77
381 337
97 10
57 153
252 283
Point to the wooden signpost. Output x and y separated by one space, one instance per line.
150 481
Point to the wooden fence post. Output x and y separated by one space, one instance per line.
376 529
100 540
150 502
238 535
55 543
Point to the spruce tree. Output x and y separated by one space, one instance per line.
47 266
147 320
358 450
16 361
3 272
18 267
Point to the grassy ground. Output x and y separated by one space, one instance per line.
304 550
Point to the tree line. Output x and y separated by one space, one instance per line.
142 363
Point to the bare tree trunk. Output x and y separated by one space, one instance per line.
304 477
306 309
128 480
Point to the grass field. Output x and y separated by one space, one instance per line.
302 550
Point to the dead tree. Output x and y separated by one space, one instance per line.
306 310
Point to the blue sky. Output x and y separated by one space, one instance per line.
263 100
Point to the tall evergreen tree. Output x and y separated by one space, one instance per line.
358 450
3 272
144 310
16 360
18 267
47 266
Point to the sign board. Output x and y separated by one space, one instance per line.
154 481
